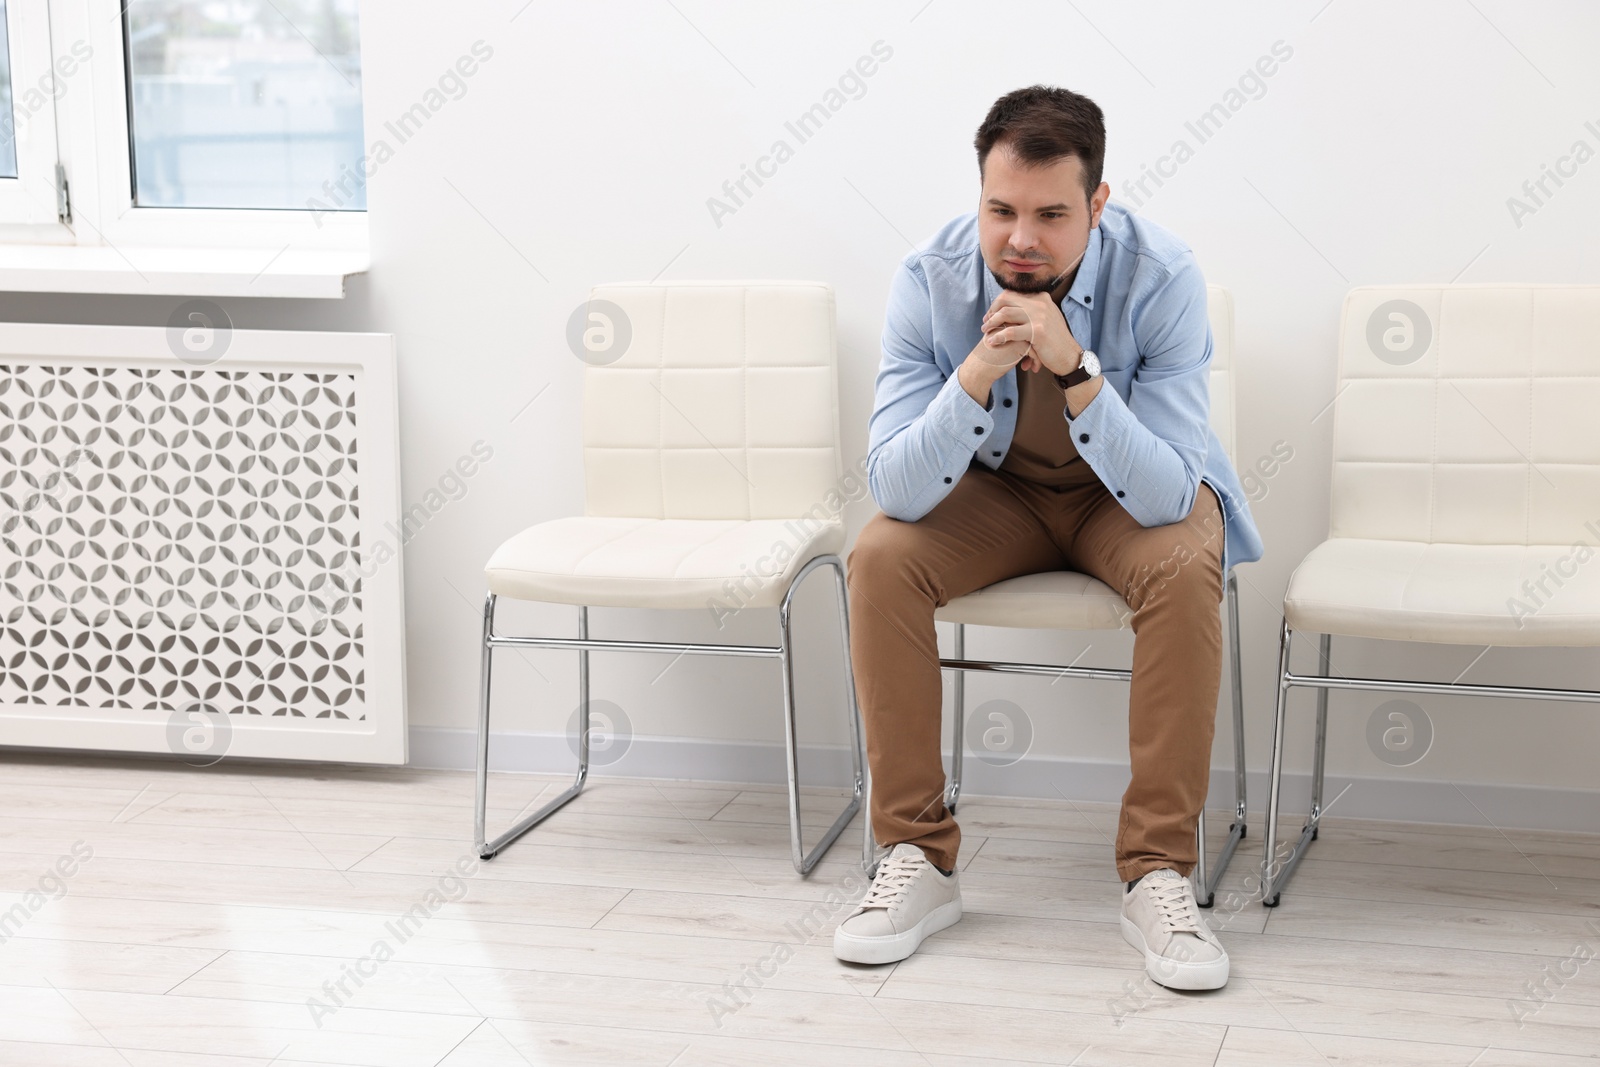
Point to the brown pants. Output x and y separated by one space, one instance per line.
995 525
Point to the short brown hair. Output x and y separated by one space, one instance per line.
1041 124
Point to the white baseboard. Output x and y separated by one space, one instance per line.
1400 800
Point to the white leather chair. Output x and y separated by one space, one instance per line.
711 483
1465 463
1067 600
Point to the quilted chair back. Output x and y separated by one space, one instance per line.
1219 309
711 400
1463 414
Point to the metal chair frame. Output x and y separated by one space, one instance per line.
1274 880
803 861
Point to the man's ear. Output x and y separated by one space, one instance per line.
1097 204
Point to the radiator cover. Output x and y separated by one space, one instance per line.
178 539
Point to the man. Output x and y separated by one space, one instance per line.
1043 404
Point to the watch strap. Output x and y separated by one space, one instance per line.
1081 373
1078 376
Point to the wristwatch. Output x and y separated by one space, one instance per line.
1088 367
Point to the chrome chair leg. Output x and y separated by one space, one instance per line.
1206 887
489 849
958 731
583 692
1273 875
1319 758
1239 764
803 861
858 748
1272 894
1270 887
481 793
869 844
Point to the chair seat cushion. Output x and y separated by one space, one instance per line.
1049 600
659 563
1448 593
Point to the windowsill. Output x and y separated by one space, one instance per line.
253 272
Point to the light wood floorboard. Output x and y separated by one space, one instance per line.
246 915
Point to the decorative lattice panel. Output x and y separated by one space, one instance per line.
177 534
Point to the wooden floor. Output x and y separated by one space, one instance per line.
218 910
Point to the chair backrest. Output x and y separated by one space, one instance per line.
1219 308
711 400
1462 414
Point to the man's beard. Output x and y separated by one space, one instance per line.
1030 282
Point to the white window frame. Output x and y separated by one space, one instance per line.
92 127
30 198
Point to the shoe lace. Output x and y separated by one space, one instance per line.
894 879
1175 904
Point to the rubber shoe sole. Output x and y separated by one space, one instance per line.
895 947
1175 974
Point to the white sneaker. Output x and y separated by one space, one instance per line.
1161 920
908 900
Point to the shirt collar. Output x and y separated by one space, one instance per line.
1082 289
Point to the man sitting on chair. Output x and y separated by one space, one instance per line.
1043 405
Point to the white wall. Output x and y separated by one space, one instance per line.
1382 150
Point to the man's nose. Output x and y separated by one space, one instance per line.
1023 239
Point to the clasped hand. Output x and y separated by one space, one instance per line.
1036 321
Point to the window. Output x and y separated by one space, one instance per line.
242 103
8 125
27 124
145 124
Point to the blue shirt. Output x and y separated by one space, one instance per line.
1138 301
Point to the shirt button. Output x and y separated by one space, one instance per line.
1088 300
947 482
977 429
1084 438
1006 402
994 453
1119 491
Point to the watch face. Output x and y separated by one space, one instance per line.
1091 363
